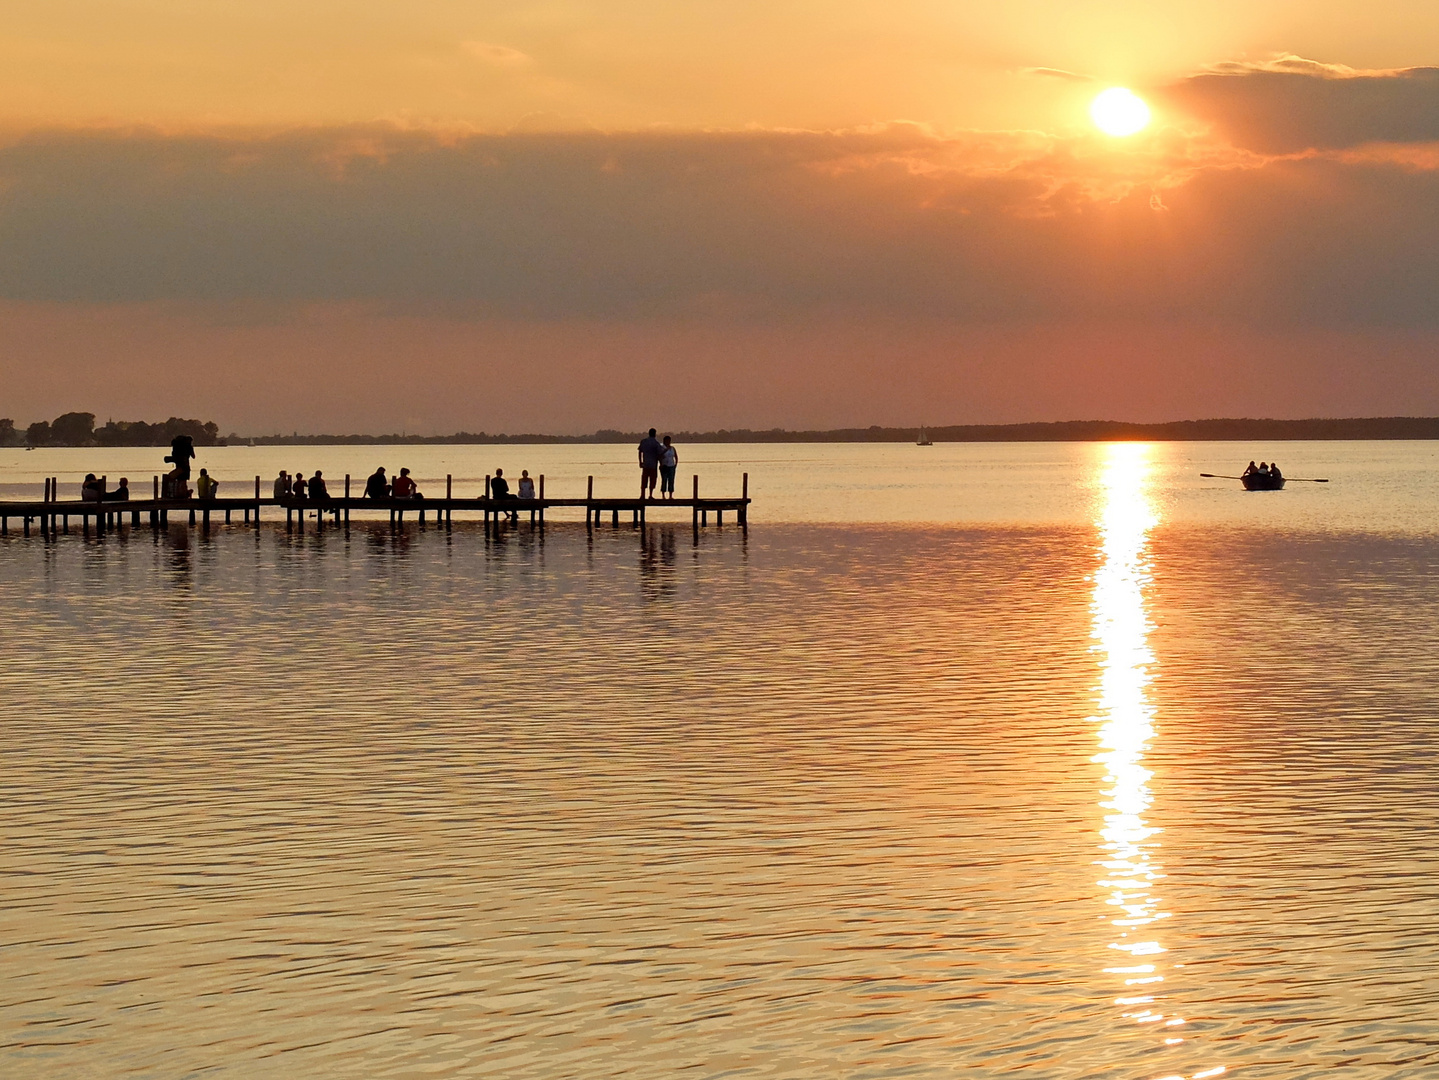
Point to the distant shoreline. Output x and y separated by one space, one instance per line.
1223 430
1218 430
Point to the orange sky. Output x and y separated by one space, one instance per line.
566 216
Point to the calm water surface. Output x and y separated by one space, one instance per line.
1050 759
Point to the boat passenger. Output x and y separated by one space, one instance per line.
1253 468
92 490
527 486
282 485
1263 469
377 486
1274 473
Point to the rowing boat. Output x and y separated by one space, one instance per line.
1257 481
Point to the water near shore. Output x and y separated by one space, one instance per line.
966 760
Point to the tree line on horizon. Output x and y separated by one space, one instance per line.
78 429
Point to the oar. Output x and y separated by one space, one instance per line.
1291 479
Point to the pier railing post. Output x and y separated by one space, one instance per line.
744 505
486 497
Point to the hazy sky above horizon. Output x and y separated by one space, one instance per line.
562 216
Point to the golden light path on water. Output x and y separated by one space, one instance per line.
1121 628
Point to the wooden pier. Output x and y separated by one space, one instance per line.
52 515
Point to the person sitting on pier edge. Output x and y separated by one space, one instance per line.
319 490
377 487
500 489
527 486
650 451
282 485
297 489
121 493
404 486
669 462
92 490
207 485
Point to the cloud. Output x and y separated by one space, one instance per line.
893 222
1057 73
499 55
1289 104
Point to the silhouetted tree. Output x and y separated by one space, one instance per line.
8 435
38 434
73 429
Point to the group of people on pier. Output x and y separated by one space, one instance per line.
658 460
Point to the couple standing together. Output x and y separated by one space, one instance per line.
657 458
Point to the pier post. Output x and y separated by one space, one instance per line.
347 501
744 505
486 497
542 500
449 494
589 500
695 508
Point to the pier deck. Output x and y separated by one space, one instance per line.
53 515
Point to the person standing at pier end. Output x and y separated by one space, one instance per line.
650 453
669 462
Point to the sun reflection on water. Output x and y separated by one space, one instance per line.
1121 628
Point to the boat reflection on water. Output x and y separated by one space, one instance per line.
1126 718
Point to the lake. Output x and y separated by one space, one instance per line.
973 759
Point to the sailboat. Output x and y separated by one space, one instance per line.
923 440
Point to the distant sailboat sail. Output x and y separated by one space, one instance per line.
923 439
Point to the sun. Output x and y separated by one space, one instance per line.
1119 112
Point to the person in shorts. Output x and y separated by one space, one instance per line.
650 452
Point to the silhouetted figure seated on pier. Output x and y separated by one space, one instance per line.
299 489
282 485
527 486
173 486
319 490
500 489
206 486
92 490
121 493
404 487
377 486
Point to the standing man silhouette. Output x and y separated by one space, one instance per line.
650 453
